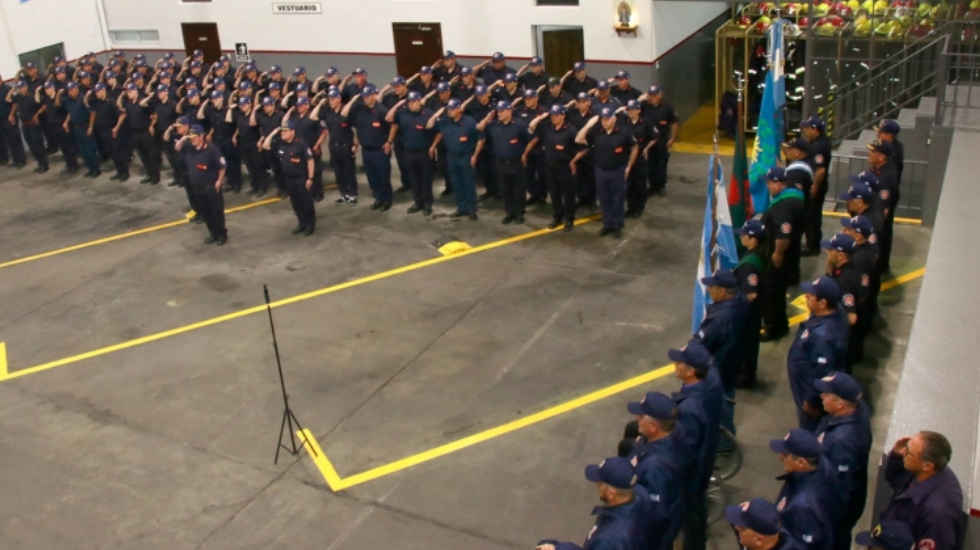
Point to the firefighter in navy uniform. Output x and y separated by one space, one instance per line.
79 124
508 136
557 139
310 130
661 115
577 80
881 164
132 132
408 125
532 75
447 68
750 272
578 116
855 286
11 145
535 180
818 157
615 152
25 107
399 91
622 90
646 138
553 94
342 146
269 119
163 113
368 117
205 168
297 164
784 224
246 139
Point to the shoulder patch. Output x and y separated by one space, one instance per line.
805 334
849 300
873 238
883 194
820 437
786 228
926 544
818 159
865 280
753 279
781 505
591 532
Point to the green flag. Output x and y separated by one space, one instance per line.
739 199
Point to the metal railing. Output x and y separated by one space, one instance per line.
843 166
958 94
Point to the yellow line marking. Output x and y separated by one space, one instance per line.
337 483
910 221
3 360
285 301
319 459
126 235
453 247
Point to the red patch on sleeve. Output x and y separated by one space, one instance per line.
618 150
464 139
376 124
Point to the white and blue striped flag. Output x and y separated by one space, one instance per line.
717 239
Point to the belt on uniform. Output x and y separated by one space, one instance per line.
515 160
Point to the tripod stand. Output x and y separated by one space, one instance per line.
288 418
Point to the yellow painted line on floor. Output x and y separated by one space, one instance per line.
285 301
319 459
337 483
127 235
909 221
701 148
3 360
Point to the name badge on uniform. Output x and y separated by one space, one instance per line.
294 159
663 122
464 139
618 150
376 124
202 167
559 147
514 141
419 127
344 125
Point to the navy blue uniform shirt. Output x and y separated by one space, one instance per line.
820 347
933 508
558 144
508 140
411 129
202 165
805 509
720 333
372 128
699 417
292 158
611 150
846 442
460 136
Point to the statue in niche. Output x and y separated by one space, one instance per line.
625 13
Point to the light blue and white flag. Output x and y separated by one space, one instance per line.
717 239
770 130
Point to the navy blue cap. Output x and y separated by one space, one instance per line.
889 535
757 514
465 71
84 74
840 242
398 81
530 94
798 143
861 224
20 83
654 89
583 96
136 76
607 112
332 71
889 126
197 53
58 59
449 54
859 189
602 85
268 101
693 354
195 64
289 124
302 101
503 106
190 80
168 55
197 130
301 87
97 87
224 57
824 288
578 66
655 405
535 61
251 67
333 92
30 65
510 77
497 56
274 86
813 121
425 69
162 88
50 84
220 82
193 92
557 109
414 96
554 81
131 87
72 86
722 277
369 89
184 120
798 442
216 94
480 90
359 70
453 104
776 173
752 228
244 100
882 147
633 105
622 75
616 472
442 87
59 70
299 70
840 384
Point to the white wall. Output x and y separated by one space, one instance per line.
470 27
38 23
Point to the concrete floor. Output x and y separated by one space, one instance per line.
169 444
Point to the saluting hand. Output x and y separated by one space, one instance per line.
432 153
571 166
901 446
473 160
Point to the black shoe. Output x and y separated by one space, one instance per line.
351 200
19 165
474 217
281 194
123 178
507 220
116 177
93 175
618 233
221 240
318 198
196 219
519 219
660 192
173 183
154 182
341 200
605 231
427 211
298 229
147 179
210 240
376 205
414 208
446 192
40 170
532 201
568 227
745 382
253 192
486 196
457 214
554 224
385 206
309 231
236 189
403 189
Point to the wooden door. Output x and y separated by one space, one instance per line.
416 44
204 37
560 49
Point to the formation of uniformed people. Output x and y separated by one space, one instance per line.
673 443
524 137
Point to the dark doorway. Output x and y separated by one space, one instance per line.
43 57
560 47
204 37
416 44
